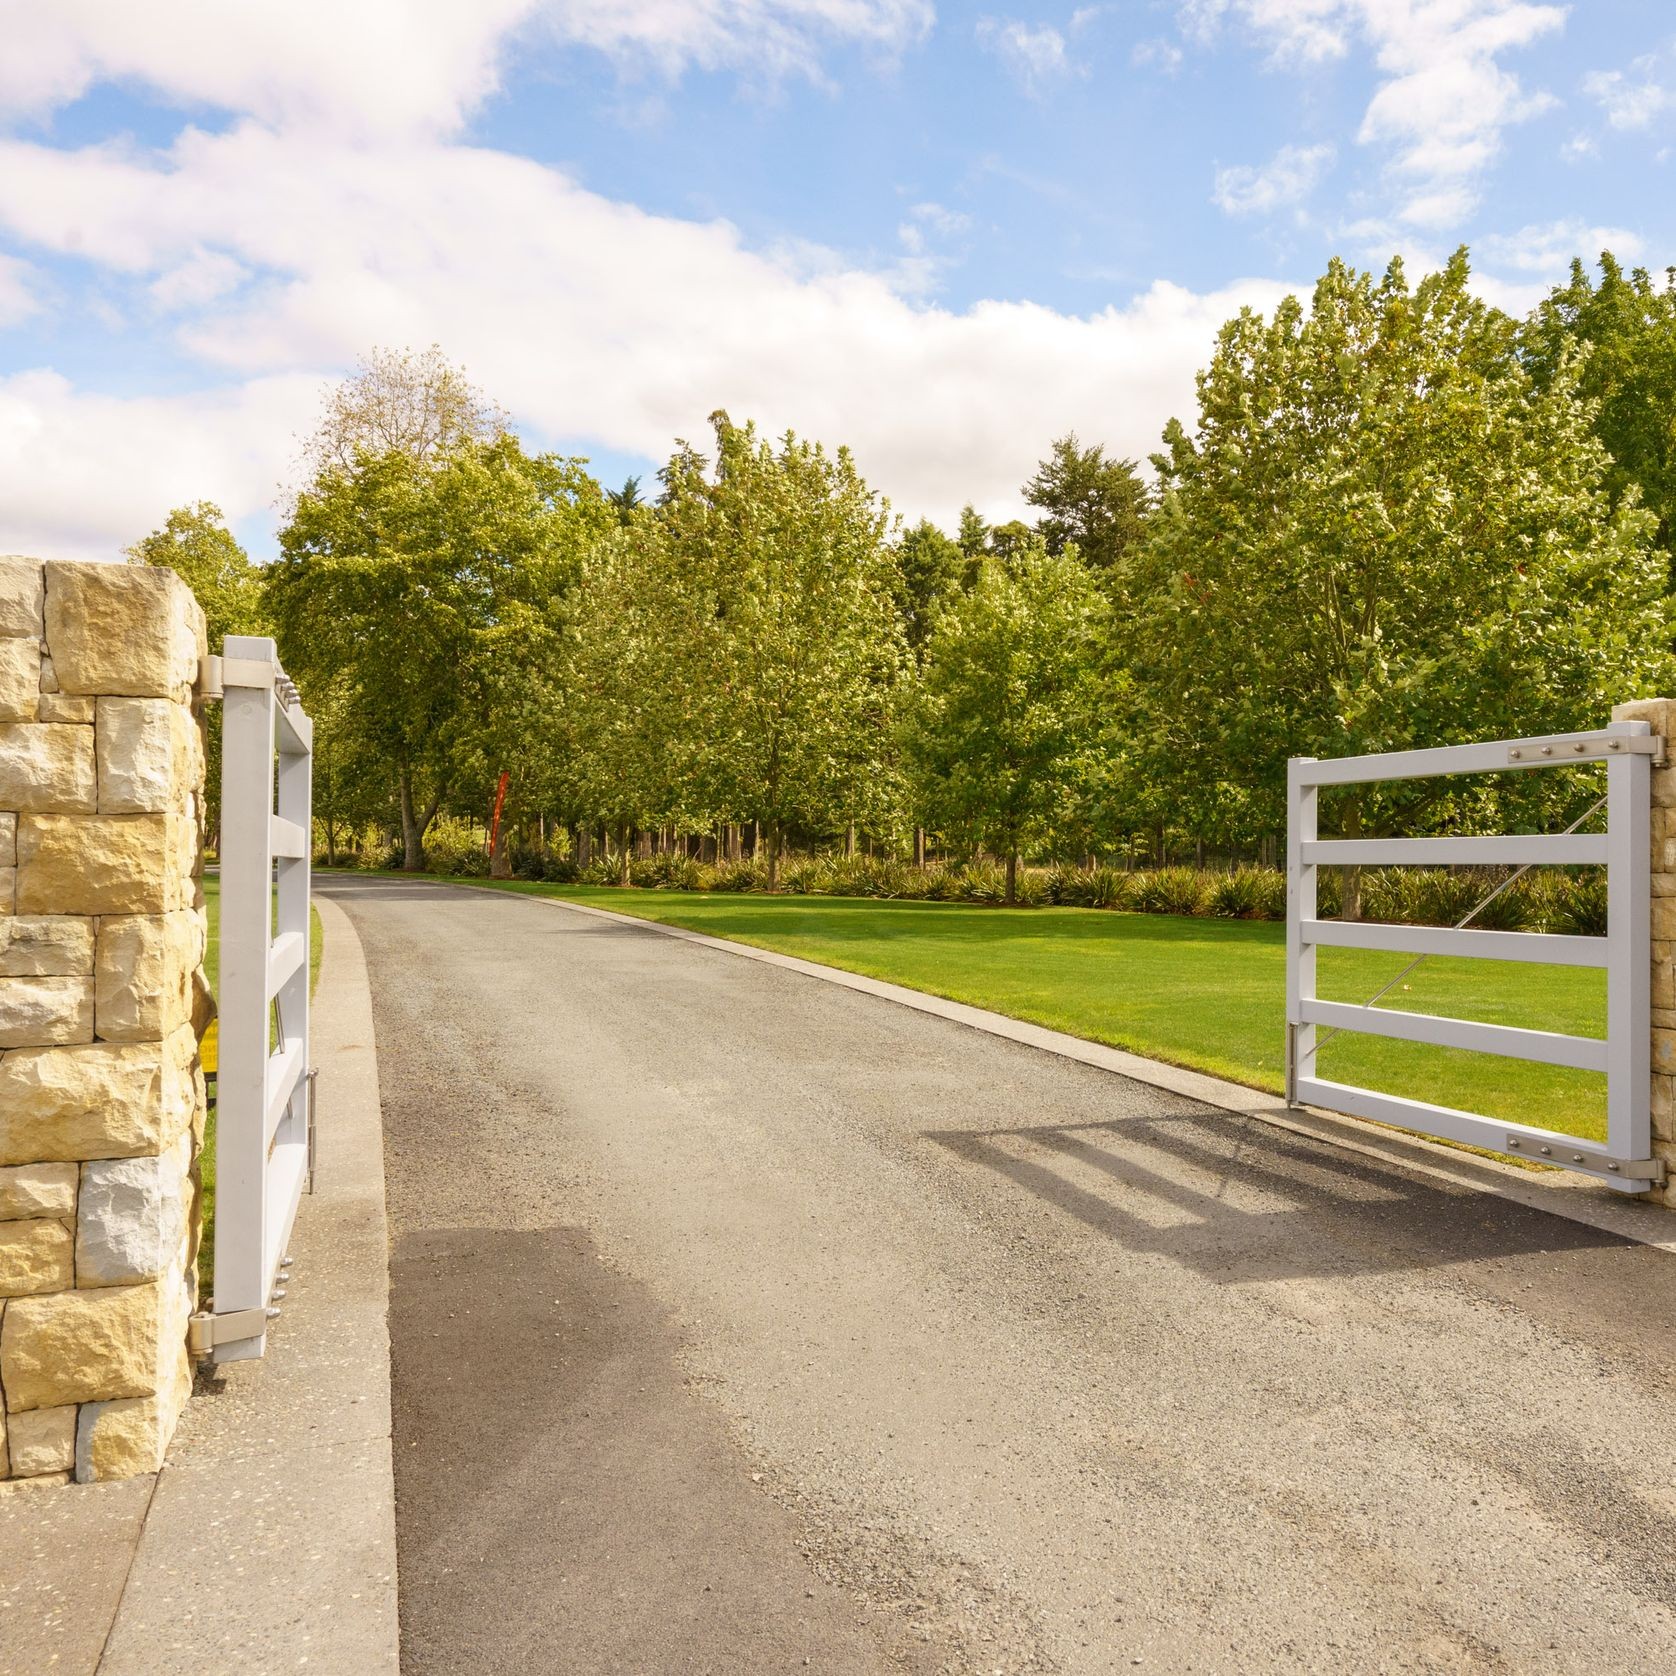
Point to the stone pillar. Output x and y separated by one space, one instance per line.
102 1001
1661 713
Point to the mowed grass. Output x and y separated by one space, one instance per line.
206 1159
1204 993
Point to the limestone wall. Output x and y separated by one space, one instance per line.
102 1002
1661 713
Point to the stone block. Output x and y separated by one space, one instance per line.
36 1256
131 1217
97 1100
45 1012
8 840
21 597
1664 1052
1664 1106
121 1439
98 864
30 1190
43 1440
129 629
8 891
147 760
62 707
47 768
49 675
143 986
20 679
75 1347
46 946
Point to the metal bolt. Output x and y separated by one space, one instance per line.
273 1314
1579 747
1577 1158
1514 755
1547 750
277 1293
1547 1151
1614 744
1513 1140
1612 1167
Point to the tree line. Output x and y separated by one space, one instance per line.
1398 517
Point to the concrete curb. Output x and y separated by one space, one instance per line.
270 1543
1554 1191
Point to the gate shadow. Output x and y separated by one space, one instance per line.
1238 1200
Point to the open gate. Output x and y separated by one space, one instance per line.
264 1126
1628 750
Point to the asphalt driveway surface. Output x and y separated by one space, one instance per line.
743 1323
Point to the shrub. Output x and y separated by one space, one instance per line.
982 881
1249 893
1580 904
1171 890
454 850
741 876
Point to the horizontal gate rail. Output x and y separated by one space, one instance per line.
1628 749
263 1120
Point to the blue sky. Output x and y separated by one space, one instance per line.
942 234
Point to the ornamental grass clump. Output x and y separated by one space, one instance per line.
1248 893
1171 890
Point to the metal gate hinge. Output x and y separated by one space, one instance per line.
210 689
1625 1169
205 1330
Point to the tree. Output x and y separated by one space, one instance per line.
788 547
1623 332
930 567
399 401
1093 503
973 536
197 546
1003 720
1381 533
626 501
425 592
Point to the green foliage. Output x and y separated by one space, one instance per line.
930 569
1001 725
1381 533
421 596
1097 505
455 849
1618 339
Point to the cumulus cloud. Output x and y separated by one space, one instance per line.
386 66
1547 248
1034 53
1631 99
17 296
596 323
1287 178
1444 98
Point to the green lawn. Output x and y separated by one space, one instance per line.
1204 993
206 1161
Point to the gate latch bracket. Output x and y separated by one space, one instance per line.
1596 1163
205 1330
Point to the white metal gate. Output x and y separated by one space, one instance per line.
1628 750
264 1103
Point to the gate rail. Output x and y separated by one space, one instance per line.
1628 749
264 1088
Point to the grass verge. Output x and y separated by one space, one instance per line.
1203 993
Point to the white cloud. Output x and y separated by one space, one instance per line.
1157 54
386 66
1630 101
1035 53
1287 178
595 323
1547 248
1444 98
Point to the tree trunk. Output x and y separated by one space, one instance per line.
773 855
849 842
623 853
919 846
500 861
1012 878
413 835
331 842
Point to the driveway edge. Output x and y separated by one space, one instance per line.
271 1540
1553 1191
